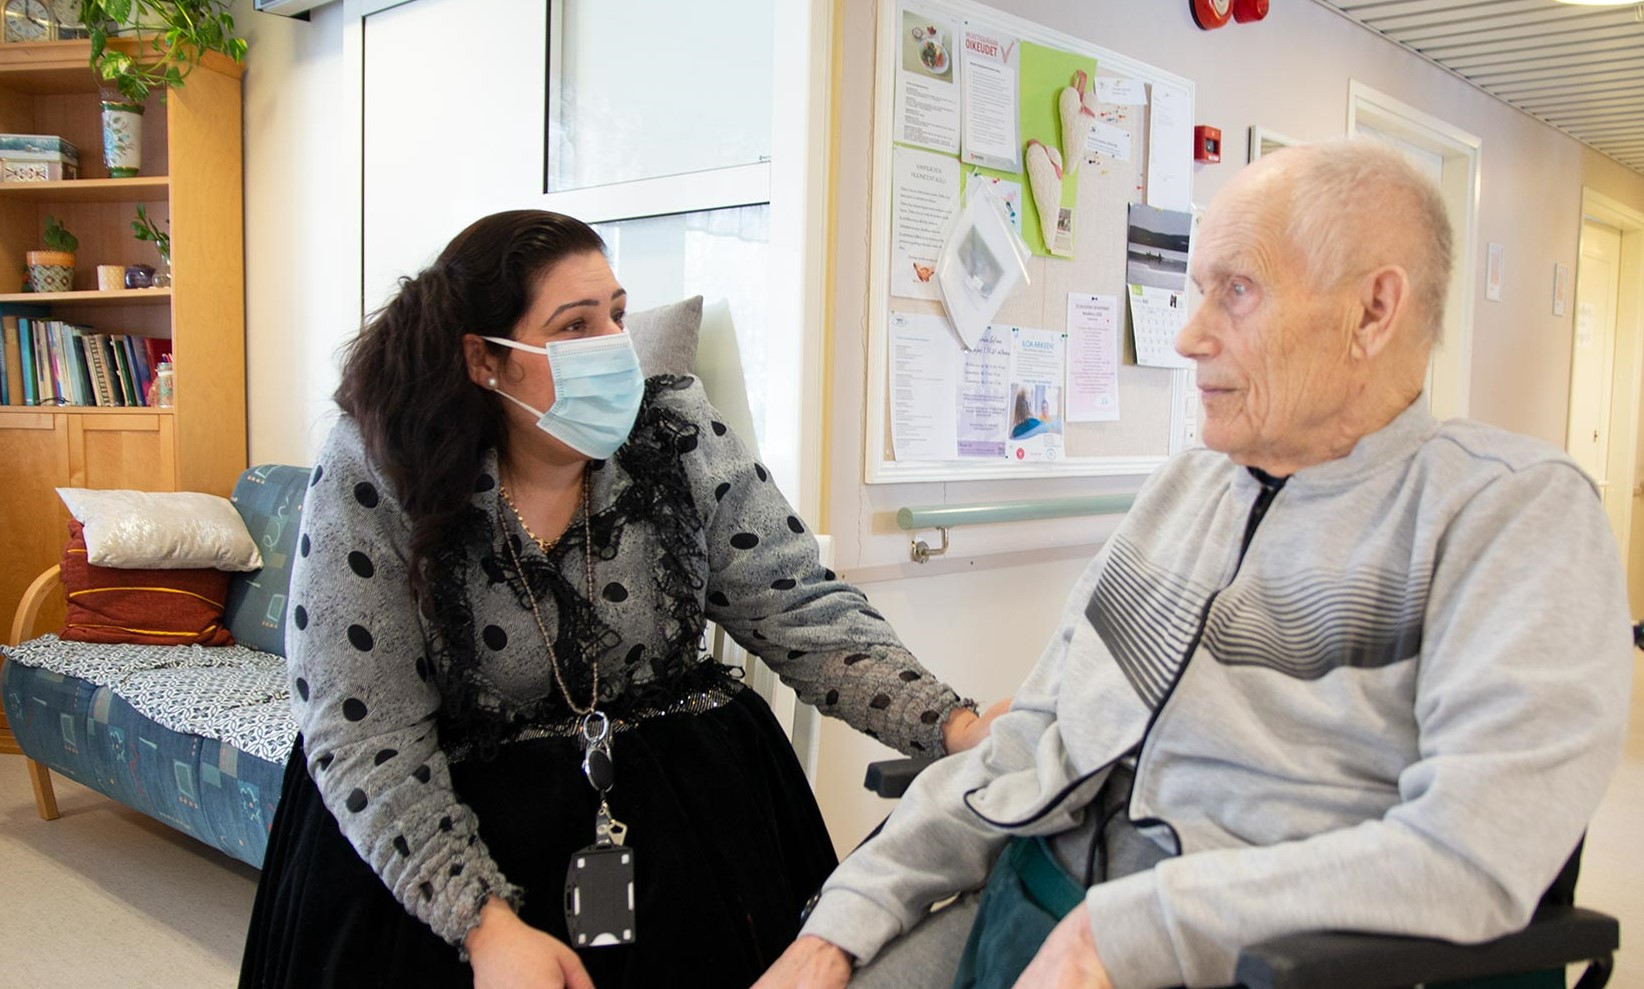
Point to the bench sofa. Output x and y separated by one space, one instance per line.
194 737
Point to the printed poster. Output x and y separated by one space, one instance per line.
1038 367
927 88
924 372
989 104
924 198
984 397
1092 358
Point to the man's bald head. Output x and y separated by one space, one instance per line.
1350 206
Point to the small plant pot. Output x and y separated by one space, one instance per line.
50 271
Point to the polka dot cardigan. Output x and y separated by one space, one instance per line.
380 694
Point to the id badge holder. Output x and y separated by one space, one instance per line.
599 881
599 896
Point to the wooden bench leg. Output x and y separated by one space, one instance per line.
45 801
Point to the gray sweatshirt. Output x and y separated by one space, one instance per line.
1394 712
362 660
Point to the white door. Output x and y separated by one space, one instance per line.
1592 358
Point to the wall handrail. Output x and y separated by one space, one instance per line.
945 517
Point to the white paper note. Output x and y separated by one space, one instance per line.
1170 148
1120 92
1038 368
1108 140
1092 358
923 386
924 197
984 397
1006 193
989 82
927 89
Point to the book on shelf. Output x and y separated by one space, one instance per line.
14 361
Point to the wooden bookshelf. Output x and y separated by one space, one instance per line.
192 168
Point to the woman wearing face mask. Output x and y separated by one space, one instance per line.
515 766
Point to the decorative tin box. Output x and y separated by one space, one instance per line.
37 158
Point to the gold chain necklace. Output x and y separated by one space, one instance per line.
588 562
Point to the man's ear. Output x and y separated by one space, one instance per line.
1384 308
482 366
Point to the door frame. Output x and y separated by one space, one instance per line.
1452 367
1628 372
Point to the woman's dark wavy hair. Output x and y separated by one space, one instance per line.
405 381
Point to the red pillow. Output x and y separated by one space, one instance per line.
148 607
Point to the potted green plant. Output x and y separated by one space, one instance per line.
171 37
145 229
52 270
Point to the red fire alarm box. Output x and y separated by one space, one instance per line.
1207 143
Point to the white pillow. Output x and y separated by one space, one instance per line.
162 530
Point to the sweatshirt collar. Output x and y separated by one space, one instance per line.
1393 443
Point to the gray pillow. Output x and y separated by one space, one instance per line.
666 337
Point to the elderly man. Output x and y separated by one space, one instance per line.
1349 667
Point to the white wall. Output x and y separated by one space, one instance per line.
976 622
301 226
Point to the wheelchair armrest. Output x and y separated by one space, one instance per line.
892 777
1557 936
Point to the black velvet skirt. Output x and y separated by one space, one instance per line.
728 843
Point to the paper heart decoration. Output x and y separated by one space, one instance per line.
1077 108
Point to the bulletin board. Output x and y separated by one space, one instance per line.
1156 407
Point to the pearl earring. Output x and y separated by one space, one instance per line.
491 383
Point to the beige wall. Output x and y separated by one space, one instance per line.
980 619
982 627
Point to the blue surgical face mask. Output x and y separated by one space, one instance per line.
598 387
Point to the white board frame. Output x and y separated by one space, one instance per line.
877 467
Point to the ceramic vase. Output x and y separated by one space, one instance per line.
122 137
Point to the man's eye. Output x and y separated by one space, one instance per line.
1239 289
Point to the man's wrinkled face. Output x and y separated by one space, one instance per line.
1272 348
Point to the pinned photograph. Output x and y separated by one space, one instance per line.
926 47
1157 247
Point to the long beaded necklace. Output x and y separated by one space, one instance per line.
596 910
536 613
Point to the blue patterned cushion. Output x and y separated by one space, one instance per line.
270 499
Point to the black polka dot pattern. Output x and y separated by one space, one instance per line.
929 717
484 483
795 525
325 761
721 491
880 702
422 668
719 599
354 709
302 688
319 472
686 444
402 846
615 593
366 494
383 755
764 475
635 654
422 774
299 615
856 657
360 638
907 676
785 584
744 540
361 564
356 801
304 545
445 824
832 698
796 653
718 427
495 638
